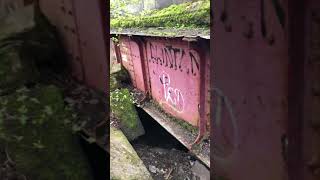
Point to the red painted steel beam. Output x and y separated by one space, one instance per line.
202 125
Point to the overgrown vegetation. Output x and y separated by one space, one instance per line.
186 15
35 130
122 105
121 102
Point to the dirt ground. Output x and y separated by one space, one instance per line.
163 155
166 163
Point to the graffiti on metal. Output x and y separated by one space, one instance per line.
172 96
172 58
174 70
221 100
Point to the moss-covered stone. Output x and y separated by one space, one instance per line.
122 106
40 142
125 162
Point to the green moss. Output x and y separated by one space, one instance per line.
122 106
180 122
37 138
190 14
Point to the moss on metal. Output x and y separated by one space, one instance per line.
186 15
180 122
34 129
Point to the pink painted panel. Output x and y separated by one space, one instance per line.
137 61
132 61
250 61
92 42
126 58
61 15
174 72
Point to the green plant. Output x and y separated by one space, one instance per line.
186 15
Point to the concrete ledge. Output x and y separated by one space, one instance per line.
125 162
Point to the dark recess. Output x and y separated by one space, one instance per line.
98 158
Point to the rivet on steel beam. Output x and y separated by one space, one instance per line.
228 28
271 40
63 9
224 16
249 33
